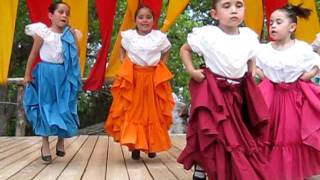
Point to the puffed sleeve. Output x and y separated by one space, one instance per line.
316 43
311 59
165 43
39 29
125 38
252 41
194 40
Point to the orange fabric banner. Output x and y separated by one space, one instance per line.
128 22
79 20
254 15
175 8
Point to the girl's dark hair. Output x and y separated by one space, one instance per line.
296 11
214 4
54 6
141 7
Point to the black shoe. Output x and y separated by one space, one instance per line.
199 174
135 154
60 153
47 159
152 155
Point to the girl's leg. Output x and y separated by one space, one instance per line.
45 150
199 173
60 147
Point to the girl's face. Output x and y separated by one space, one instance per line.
280 27
60 16
144 21
229 13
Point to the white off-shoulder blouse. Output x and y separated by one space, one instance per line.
51 49
145 50
286 65
224 54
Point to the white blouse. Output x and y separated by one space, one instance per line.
224 54
145 50
316 43
286 65
51 49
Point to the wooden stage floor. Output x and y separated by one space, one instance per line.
88 158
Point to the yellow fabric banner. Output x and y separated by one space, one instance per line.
254 15
128 22
307 29
79 20
175 7
8 16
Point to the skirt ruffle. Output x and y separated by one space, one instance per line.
141 111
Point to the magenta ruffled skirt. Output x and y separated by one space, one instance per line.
294 134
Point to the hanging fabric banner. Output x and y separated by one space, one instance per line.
254 15
128 22
175 8
106 10
79 20
8 16
307 29
38 12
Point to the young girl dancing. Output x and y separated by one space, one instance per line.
287 65
50 99
141 111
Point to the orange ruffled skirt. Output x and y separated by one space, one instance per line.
141 111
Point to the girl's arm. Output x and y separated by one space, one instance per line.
37 43
122 54
165 56
260 73
186 57
252 67
308 75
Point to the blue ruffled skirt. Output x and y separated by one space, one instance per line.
50 101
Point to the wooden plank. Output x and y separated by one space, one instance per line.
136 168
97 164
176 168
21 160
178 142
11 141
116 166
52 171
36 166
19 147
21 155
174 151
157 169
4 139
76 167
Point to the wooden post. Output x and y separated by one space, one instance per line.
20 122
